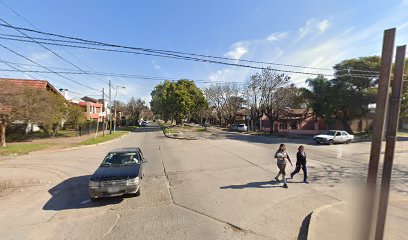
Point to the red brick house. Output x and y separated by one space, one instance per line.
296 121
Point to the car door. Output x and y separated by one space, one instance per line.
337 138
344 137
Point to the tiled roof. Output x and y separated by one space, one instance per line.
39 84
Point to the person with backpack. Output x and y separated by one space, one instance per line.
282 157
301 163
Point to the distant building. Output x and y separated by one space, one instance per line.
94 109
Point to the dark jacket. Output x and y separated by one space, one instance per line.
300 159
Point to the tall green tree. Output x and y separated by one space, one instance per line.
135 108
355 83
177 100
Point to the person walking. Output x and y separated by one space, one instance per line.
301 163
282 157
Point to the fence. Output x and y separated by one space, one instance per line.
90 127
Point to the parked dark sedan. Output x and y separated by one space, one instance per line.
120 173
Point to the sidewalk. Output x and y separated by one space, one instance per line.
336 222
50 143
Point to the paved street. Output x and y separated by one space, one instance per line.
199 189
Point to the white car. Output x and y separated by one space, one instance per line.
333 136
242 128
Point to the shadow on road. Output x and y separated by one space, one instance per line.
267 139
264 184
73 194
304 229
153 128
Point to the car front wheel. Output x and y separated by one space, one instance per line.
331 142
348 141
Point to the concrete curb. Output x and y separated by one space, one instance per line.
312 232
79 147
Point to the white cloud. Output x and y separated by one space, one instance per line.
239 49
277 36
313 25
323 25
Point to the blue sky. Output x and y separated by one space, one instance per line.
306 33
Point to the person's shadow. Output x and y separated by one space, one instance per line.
263 184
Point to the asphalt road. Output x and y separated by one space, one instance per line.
198 189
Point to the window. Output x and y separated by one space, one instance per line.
343 133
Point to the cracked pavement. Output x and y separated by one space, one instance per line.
202 189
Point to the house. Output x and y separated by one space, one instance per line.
94 109
37 84
24 83
296 121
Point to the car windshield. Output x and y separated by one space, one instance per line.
119 159
330 133
241 125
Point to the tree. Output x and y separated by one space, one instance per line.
160 103
57 112
253 96
404 101
354 91
29 105
275 95
232 106
214 96
226 100
75 116
177 100
321 97
135 108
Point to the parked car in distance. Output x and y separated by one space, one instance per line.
334 136
120 173
234 127
207 124
242 128
144 123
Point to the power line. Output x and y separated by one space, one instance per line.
176 54
32 25
1 45
194 59
17 69
50 50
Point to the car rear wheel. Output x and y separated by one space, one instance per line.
348 141
331 142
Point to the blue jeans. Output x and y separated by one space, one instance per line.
297 169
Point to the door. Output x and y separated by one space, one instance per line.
344 136
338 137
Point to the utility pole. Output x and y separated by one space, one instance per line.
110 107
104 111
378 129
391 135
115 103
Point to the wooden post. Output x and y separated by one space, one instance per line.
97 128
3 133
378 128
392 127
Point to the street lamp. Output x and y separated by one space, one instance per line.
116 95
